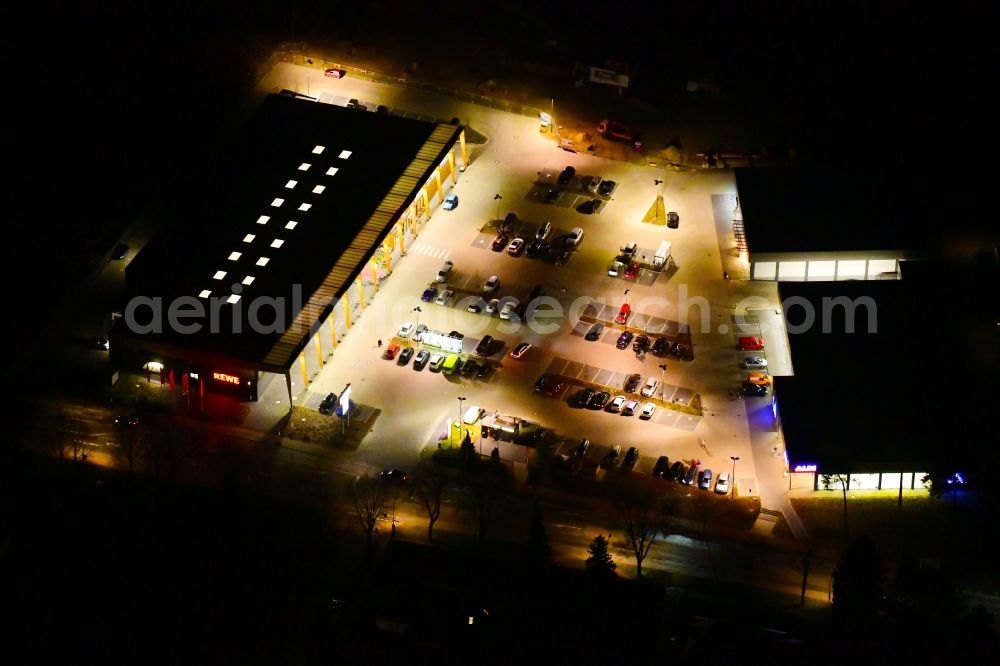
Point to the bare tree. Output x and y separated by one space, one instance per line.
488 481
368 496
58 436
642 520
430 484
829 480
127 451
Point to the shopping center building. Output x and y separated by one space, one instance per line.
273 251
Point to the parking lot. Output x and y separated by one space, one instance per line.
518 171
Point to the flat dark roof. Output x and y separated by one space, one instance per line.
910 395
219 212
826 210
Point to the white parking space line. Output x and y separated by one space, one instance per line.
430 250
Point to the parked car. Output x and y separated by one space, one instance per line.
418 332
598 400
500 242
335 73
475 305
624 339
493 305
516 247
589 207
519 351
329 404
750 343
632 272
594 183
543 231
437 360
755 362
612 456
554 388
649 388
405 329
677 350
661 347
551 196
582 398
594 333
628 409
623 313
615 131
469 369
420 360
690 475
534 249
563 257
705 479
507 310
581 448
647 411
754 390
722 484
444 297
450 202
641 344
632 382
615 405
673 220
456 335
445 270
509 222
429 294
491 284
661 466
405 356
631 458
575 237
484 371
390 352
676 472
483 348
566 176
760 378
120 251
607 188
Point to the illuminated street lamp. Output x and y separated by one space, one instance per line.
626 295
663 369
461 399
418 311
497 198
732 481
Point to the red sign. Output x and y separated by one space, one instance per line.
223 377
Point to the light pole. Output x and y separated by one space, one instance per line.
626 296
659 194
497 198
418 311
733 480
459 424
663 369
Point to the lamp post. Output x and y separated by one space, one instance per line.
418 311
733 481
659 193
663 369
497 198
626 296
461 399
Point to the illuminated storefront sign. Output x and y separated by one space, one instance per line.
226 378
804 468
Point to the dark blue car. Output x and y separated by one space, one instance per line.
428 294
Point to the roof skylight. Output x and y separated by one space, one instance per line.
233 256
304 166
233 298
248 238
205 293
318 150
219 275
263 219
332 171
305 206
319 189
248 279
277 202
262 261
344 154
292 183
291 224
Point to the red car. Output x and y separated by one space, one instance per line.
550 386
632 272
390 352
623 314
335 73
750 343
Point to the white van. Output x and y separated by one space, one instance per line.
575 237
472 415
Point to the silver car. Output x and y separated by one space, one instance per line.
754 362
444 297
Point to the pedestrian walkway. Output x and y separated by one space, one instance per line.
430 250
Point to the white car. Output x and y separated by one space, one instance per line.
491 285
595 182
405 330
647 411
754 362
493 305
616 404
575 237
418 333
722 484
630 407
507 310
444 297
649 388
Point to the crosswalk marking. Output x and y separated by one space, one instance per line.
430 250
